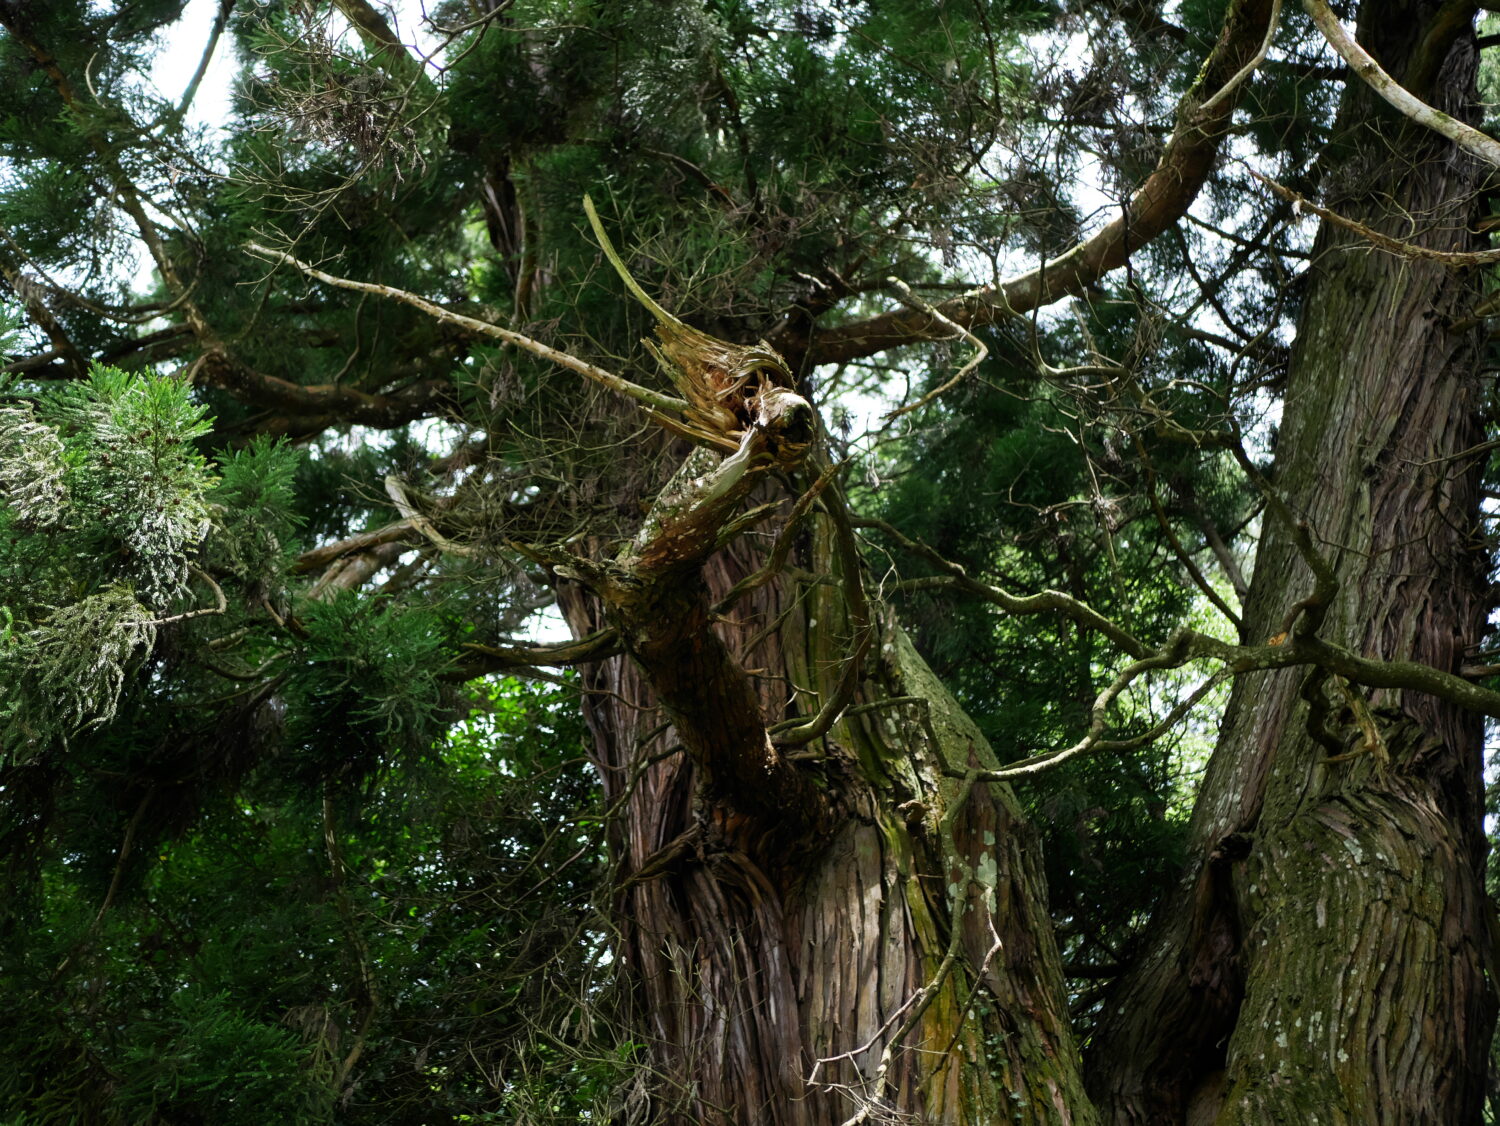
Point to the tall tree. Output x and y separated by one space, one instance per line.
1310 868
828 902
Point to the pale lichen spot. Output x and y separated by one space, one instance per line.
988 872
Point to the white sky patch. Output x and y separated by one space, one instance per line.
178 58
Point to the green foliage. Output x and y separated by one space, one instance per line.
252 957
254 511
105 505
369 685
137 484
206 1061
76 657
31 467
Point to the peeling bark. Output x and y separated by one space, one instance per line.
785 912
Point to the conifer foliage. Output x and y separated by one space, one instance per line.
1026 584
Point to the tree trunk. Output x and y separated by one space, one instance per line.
850 926
1325 956
755 953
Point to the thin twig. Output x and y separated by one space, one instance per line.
219 609
981 350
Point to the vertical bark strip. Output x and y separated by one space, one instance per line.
1325 957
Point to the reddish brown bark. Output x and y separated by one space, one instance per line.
759 942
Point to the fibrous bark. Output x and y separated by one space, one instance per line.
1325 957
820 918
756 952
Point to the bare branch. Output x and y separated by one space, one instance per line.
1482 145
223 605
1228 89
409 513
225 7
516 657
1053 601
1453 259
655 402
981 349
320 557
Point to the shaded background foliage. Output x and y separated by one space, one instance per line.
240 976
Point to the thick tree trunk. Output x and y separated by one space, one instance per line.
755 953
1325 958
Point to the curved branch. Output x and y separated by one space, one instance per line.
981 349
655 402
320 557
221 607
1482 145
397 492
1043 601
595 647
1162 200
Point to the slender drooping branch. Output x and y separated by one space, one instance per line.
1172 655
1053 601
221 606
861 623
1453 259
657 404
1296 645
1297 652
981 350
776 560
